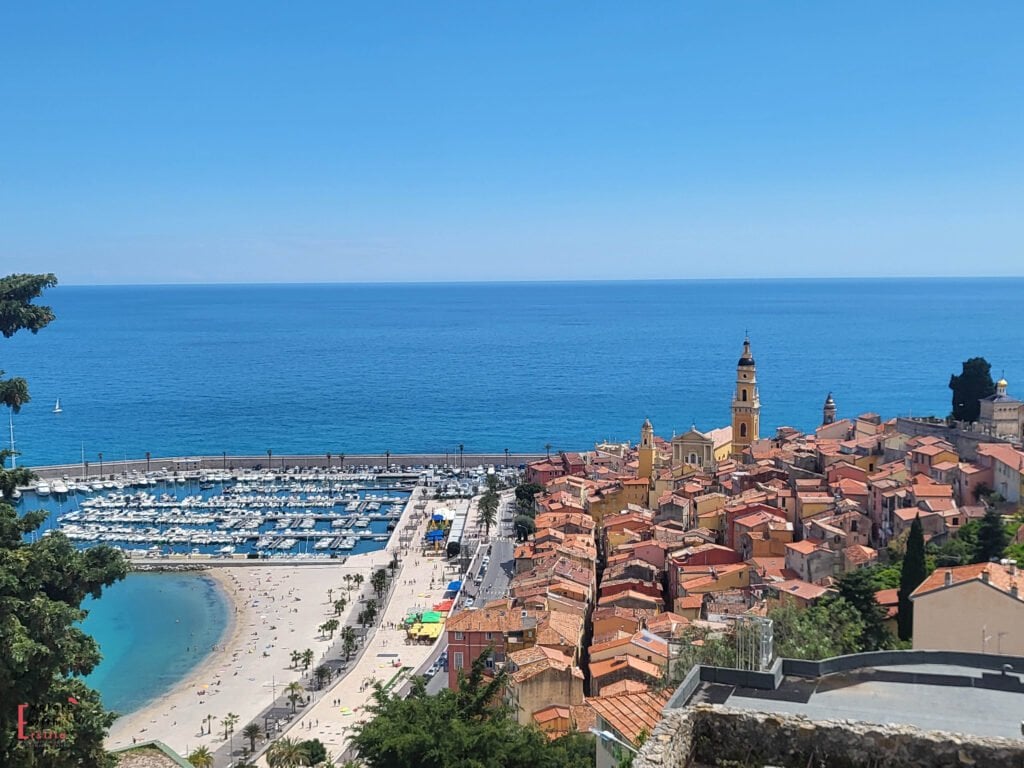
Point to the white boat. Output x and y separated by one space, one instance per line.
59 488
42 489
57 408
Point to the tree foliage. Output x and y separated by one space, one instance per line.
857 589
973 383
992 537
524 526
466 728
43 652
913 572
833 627
525 495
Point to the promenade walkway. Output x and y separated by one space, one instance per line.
386 657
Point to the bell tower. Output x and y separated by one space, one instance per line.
746 403
828 413
645 455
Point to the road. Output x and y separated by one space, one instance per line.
496 577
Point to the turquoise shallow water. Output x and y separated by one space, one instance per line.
152 630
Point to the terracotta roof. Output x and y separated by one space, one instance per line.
805 547
1003 453
802 589
600 669
551 713
859 554
628 714
493 617
1002 577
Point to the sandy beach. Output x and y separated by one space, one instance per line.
277 610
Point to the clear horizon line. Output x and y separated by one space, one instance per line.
544 281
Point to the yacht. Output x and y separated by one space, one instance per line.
43 489
60 488
57 408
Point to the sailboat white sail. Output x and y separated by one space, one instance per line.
57 408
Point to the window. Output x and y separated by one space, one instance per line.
489 663
743 395
743 430
488 635
458 635
457 659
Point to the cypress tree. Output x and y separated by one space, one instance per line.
912 574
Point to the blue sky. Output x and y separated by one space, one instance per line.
239 142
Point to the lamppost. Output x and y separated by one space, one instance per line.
387 460
224 460
270 456
328 462
506 458
101 463
147 461
462 456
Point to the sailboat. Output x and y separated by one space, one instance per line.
57 408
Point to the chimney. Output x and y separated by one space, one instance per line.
1013 567
984 576
949 578
1013 591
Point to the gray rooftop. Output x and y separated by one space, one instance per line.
932 697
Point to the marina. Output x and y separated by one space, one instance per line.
312 513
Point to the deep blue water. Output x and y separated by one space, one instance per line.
366 368
152 629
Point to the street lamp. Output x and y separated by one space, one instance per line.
270 458
147 461
101 463
387 460
462 456
609 736
506 458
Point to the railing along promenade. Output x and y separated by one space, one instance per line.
333 461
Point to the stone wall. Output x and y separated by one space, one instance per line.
712 735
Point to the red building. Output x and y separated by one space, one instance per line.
498 625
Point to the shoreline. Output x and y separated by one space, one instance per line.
229 636
279 611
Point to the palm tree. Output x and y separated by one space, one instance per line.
462 456
547 447
348 642
201 758
379 581
321 673
341 460
358 579
294 692
208 719
330 594
307 659
339 606
296 658
286 753
13 394
488 506
506 458
331 625
252 732
347 578
229 721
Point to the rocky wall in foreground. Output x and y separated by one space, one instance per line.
713 735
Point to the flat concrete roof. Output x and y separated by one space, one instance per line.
954 699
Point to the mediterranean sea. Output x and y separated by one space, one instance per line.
185 370
182 370
153 629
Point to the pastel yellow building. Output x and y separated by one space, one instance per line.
746 404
